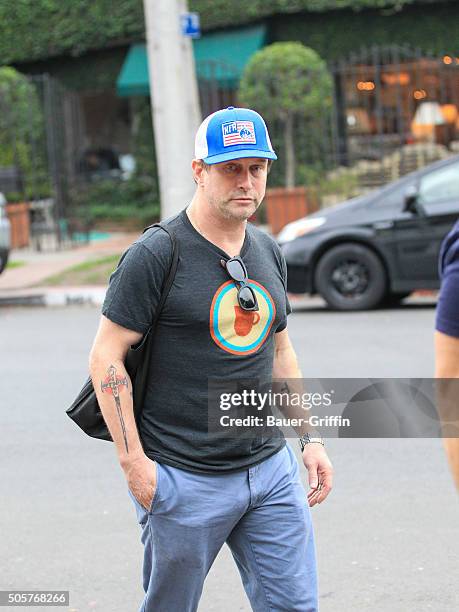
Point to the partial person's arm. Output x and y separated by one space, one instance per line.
447 367
113 388
315 459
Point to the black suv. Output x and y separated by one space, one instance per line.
376 248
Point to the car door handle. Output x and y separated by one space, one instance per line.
383 225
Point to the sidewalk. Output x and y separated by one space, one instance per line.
18 286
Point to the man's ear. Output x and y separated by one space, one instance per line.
197 168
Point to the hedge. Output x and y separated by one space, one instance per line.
414 27
39 29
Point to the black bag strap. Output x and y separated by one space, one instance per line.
172 270
138 358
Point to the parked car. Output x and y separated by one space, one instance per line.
4 234
378 247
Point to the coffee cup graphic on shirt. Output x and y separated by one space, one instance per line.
244 320
238 331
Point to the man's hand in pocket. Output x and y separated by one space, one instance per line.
141 477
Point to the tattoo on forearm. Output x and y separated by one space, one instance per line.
285 388
114 384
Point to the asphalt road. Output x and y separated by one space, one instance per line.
387 536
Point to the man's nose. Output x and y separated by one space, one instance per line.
244 179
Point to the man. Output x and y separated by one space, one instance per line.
225 316
447 348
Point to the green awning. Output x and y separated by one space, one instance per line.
133 78
224 55
220 55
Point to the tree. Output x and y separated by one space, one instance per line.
22 132
289 83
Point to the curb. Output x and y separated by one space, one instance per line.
89 296
94 296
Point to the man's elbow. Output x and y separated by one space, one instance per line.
96 358
102 356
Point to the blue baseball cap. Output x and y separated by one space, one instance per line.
233 133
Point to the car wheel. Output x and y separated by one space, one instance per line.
351 277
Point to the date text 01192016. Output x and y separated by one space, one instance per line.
34 598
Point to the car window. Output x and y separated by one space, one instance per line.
442 184
393 198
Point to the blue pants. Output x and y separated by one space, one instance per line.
261 513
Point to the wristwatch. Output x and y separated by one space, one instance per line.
308 438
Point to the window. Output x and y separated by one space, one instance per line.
394 197
440 185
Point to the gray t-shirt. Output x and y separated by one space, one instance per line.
201 333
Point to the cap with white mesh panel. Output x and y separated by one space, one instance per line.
232 133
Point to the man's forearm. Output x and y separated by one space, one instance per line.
288 380
113 388
447 373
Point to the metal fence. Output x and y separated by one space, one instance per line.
45 136
395 110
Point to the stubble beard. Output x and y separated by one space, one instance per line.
224 208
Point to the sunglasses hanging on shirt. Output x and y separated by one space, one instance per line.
238 272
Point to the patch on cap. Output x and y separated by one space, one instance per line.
238 132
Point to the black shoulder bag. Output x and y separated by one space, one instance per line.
85 410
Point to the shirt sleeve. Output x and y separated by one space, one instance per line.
288 309
135 286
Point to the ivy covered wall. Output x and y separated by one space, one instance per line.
40 29
221 13
84 43
416 26
92 72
